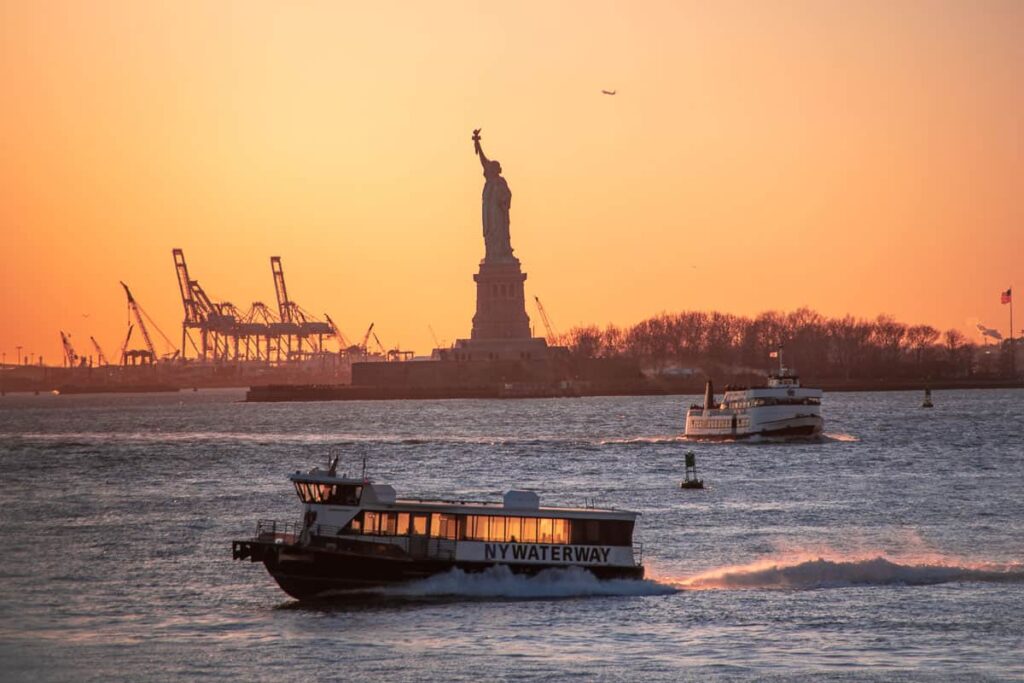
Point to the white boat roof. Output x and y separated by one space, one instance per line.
516 503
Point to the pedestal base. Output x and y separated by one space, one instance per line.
500 303
528 349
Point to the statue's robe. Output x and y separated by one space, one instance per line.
497 200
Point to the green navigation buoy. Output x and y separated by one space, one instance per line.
690 480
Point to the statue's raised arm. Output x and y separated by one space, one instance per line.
478 149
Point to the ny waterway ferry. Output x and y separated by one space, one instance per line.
355 534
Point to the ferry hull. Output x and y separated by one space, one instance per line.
801 427
310 572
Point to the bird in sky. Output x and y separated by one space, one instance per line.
607 92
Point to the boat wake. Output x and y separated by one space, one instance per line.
500 582
643 440
845 438
806 572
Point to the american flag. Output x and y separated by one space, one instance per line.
1006 297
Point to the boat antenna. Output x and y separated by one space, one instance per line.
332 464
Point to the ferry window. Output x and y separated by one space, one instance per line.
355 526
443 526
529 530
559 531
514 529
472 523
403 524
389 523
326 492
435 525
419 525
497 531
477 527
544 530
450 526
371 522
344 495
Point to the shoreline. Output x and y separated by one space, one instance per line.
283 393
303 393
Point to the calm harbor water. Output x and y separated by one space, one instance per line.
893 549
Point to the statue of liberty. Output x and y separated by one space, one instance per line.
497 200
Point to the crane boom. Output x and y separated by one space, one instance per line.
69 350
124 346
337 333
283 304
552 335
366 338
101 358
379 345
133 309
192 313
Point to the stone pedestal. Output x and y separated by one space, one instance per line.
501 328
500 302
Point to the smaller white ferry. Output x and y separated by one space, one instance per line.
783 408
355 533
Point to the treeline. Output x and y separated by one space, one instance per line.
835 348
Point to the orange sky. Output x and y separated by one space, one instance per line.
852 157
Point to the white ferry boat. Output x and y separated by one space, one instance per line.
783 408
356 534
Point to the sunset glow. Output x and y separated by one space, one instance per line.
859 158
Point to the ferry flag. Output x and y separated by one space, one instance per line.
1006 297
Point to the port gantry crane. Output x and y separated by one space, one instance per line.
261 334
552 335
296 324
194 315
217 322
253 325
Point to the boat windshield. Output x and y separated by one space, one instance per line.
330 494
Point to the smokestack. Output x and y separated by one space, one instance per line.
709 396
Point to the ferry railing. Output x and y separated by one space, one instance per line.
278 532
